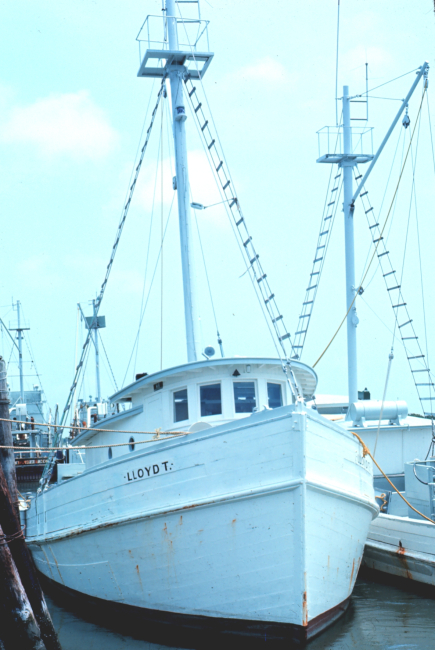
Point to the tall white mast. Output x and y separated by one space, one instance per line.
176 73
352 319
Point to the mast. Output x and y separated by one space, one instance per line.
352 318
176 74
97 352
19 331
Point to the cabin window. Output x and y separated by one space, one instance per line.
131 445
244 396
274 394
181 410
211 400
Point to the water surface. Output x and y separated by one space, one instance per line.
381 616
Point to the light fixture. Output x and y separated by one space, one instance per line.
200 206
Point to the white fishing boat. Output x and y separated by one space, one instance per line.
245 510
400 541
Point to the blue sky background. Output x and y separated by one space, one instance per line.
72 110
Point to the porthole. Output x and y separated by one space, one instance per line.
109 453
131 445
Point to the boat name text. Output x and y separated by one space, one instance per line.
151 470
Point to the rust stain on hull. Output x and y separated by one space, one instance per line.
403 561
351 575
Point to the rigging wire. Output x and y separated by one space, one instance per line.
380 209
208 282
148 251
377 245
387 82
149 291
107 357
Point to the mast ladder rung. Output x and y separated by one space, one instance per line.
198 107
423 384
219 166
389 273
233 202
338 176
272 295
274 320
313 287
211 144
321 246
301 332
386 253
304 315
325 232
406 338
427 399
332 203
241 220
254 259
204 125
298 346
226 184
369 210
315 273
358 177
308 302
334 189
263 277
284 336
401 304
374 226
192 91
247 242
326 218
417 356
392 288
378 239
364 193
318 259
407 322
421 370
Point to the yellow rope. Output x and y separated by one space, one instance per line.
383 228
81 429
366 452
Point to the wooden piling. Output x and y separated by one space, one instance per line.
7 457
11 525
19 628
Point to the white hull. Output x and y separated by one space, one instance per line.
403 547
262 519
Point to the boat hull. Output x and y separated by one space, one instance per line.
402 547
261 521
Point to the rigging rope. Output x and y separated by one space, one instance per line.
49 465
107 357
378 242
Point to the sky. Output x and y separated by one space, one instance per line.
72 116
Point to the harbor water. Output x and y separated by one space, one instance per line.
382 616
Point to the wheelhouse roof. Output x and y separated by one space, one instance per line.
305 374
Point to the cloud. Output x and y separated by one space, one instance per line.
62 124
267 70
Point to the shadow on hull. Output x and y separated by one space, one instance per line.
187 631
